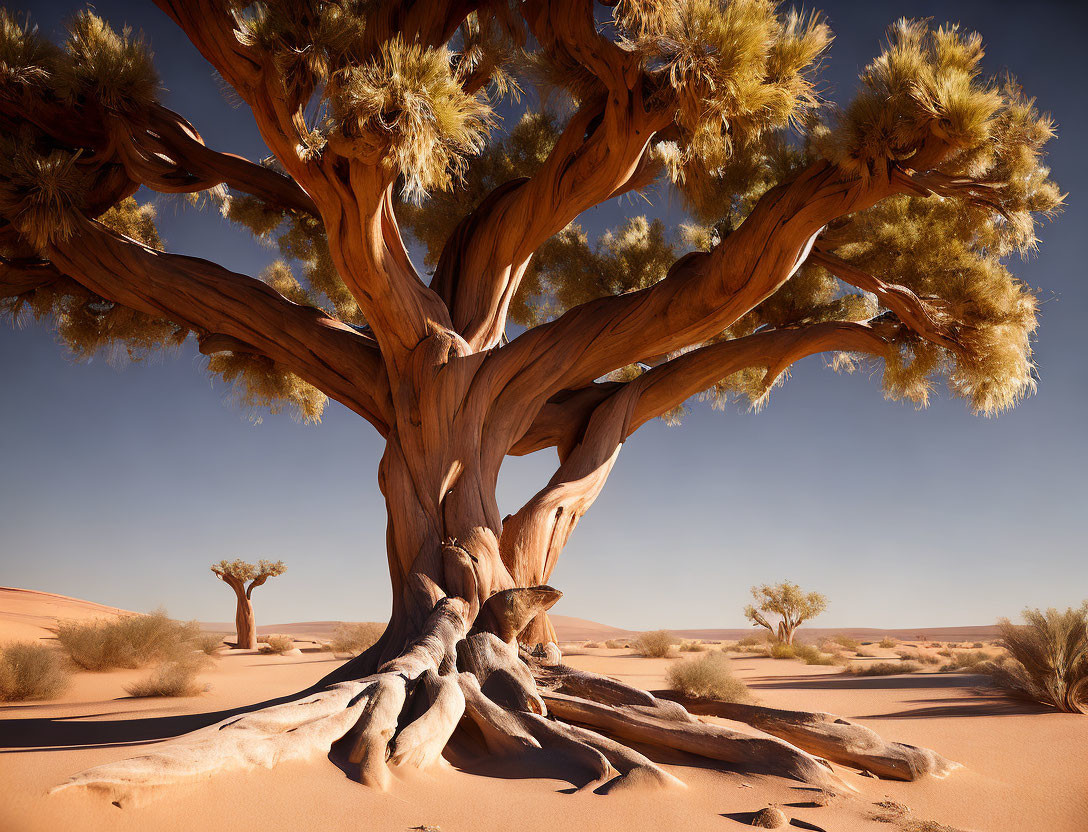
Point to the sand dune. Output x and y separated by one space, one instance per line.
1024 768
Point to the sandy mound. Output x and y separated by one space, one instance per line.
27 614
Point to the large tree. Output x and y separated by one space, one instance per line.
876 234
235 573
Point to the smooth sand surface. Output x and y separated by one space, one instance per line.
1025 770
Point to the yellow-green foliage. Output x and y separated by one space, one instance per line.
171 678
1050 658
259 382
32 671
245 571
781 650
709 676
356 637
655 644
789 602
127 641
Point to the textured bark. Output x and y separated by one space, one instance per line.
245 624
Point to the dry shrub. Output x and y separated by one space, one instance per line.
888 643
355 637
695 646
1049 658
918 656
592 645
846 641
616 644
970 660
883 668
754 640
279 644
656 644
32 671
900 814
946 653
978 644
210 643
781 650
171 678
709 676
866 654
811 655
129 641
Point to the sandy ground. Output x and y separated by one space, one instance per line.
1024 770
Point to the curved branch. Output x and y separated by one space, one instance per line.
24 275
602 152
212 300
671 383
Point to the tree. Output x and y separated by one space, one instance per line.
788 601
812 232
235 573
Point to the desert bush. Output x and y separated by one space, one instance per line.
888 643
32 671
1049 658
656 644
591 644
693 647
355 637
883 668
918 656
616 644
279 644
128 641
781 650
946 653
754 640
171 678
811 655
978 644
865 654
209 643
845 641
972 660
709 676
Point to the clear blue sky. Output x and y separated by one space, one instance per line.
123 486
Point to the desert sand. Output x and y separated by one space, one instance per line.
1025 769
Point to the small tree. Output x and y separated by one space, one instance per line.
235 573
787 600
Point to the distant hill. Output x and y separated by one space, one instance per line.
30 614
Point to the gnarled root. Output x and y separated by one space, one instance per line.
404 715
831 737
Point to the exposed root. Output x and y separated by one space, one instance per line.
404 715
833 738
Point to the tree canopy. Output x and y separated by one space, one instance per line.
731 110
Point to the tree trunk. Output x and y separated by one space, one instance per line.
244 623
466 589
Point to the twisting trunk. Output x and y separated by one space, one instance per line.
244 623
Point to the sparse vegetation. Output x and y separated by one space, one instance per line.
812 655
882 668
754 640
969 660
32 671
171 678
788 601
616 644
865 654
710 676
695 646
1049 658
918 656
128 641
592 644
210 643
279 644
888 643
656 644
846 641
978 644
355 637
781 650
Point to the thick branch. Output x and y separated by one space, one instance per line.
23 275
670 384
210 299
600 153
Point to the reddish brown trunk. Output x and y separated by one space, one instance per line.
244 622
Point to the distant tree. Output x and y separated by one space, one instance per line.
788 601
235 573
877 234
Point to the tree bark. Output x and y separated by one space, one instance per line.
244 622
